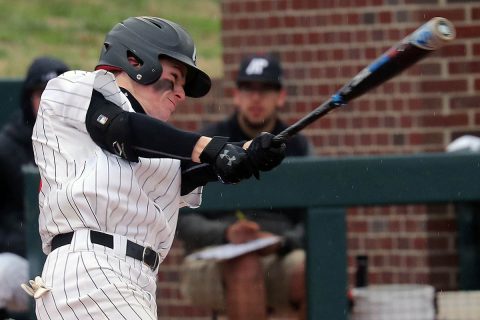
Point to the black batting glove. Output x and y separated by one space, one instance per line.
231 163
265 153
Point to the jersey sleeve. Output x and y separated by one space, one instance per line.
192 199
68 96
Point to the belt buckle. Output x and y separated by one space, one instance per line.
144 255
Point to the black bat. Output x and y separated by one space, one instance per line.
426 39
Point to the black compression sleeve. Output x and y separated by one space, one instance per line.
138 135
195 175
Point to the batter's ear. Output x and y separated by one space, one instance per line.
134 61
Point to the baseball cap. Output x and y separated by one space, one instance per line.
263 68
42 70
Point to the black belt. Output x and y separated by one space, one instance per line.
145 254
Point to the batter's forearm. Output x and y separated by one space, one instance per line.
132 135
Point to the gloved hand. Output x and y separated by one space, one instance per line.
264 153
231 163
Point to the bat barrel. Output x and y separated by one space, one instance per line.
432 35
414 47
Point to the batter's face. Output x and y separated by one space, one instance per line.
257 104
160 99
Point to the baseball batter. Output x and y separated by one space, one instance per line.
114 174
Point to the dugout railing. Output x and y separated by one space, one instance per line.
327 187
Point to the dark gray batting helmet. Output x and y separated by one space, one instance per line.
147 39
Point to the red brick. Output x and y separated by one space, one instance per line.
382 139
443 120
429 69
406 121
476 49
349 140
266 6
476 13
281 4
456 50
289 21
353 18
243 23
443 86
336 19
333 140
471 31
477 119
370 53
440 226
385 17
430 104
467 67
343 37
421 1
441 279
446 260
438 243
425 138
233 6
452 14
298 39
365 139
420 243
361 36
395 35
465 102
250 6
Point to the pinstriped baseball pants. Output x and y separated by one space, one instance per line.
90 281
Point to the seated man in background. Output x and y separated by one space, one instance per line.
15 151
247 287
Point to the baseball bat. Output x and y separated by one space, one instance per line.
414 47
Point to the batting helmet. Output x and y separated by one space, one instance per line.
147 39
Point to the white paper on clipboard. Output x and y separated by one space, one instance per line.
230 250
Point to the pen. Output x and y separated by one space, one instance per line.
240 215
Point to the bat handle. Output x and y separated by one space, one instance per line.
336 101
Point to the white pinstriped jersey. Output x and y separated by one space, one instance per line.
84 186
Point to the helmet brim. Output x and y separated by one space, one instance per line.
198 82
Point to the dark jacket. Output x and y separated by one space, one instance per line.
15 151
201 229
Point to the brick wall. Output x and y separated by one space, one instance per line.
324 43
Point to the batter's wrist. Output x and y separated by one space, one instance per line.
199 147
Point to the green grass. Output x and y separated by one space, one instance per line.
74 30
